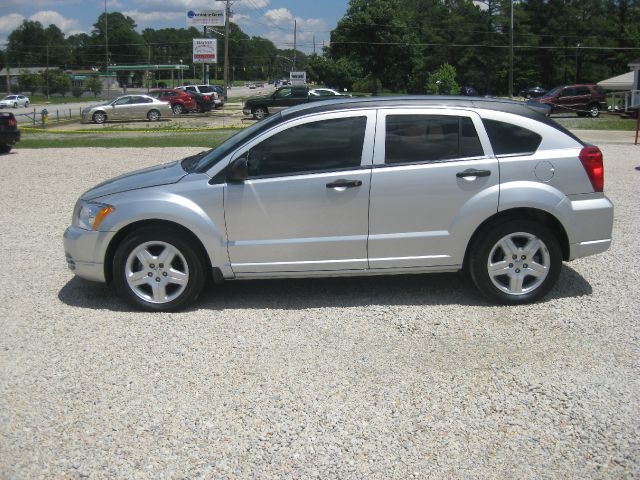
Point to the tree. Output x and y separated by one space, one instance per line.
443 81
25 45
28 81
126 46
94 85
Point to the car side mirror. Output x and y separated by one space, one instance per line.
239 169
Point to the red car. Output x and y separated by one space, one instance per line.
180 102
583 99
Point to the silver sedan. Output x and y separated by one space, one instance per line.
128 107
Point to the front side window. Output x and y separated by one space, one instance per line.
316 146
428 138
283 93
122 101
583 91
509 139
568 92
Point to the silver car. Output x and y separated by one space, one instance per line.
128 107
362 186
14 101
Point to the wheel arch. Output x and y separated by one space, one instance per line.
128 229
522 213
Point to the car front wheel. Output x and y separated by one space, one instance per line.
158 270
259 113
594 111
516 262
99 117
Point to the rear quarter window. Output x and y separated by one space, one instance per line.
509 139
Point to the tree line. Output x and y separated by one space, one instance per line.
397 44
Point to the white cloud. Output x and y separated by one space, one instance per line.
49 17
282 35
279 16
10 22
252 4
144 19
115 5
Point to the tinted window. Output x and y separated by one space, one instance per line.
583 91
423 138
316 146
283 92
508 139
568 92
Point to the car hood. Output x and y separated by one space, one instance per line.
148 177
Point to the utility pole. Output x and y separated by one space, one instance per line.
47 71
106 47
227 14
511 56
314 44
295 35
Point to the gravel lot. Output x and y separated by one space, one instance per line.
381 378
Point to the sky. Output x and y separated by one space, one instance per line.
272 19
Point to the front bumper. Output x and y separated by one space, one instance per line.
246 111
85 251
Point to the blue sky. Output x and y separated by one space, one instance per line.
272 19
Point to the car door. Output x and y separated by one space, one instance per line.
567 99
283 98
118 109
582 98
304 207
433 172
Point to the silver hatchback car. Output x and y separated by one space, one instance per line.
354 187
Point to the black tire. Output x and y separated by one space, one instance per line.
594 110
153 115
259 113
533 286
5 149
178 109
26 104
154 240
99 117
15 105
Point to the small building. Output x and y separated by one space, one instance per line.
9 77
635 89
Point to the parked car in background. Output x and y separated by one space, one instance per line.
180 101
468 92
327 92
582 99
128 107
284 97
9 133
14 101
488 186
211 90
532 92
204 102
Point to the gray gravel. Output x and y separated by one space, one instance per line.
380 378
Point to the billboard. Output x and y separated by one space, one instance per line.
205 50
205 18
298 78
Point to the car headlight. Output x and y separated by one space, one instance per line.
90 215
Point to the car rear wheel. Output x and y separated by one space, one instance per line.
259 113
5 149
158 270
177 109
515 262
153 116
594 111
99 117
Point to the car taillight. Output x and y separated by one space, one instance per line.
12 122
207 98
591 158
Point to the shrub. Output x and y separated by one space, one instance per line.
77 91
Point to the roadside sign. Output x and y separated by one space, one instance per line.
205 50
206 18
298 78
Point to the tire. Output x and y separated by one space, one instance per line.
178 109
144 279
513 281
5 149
153 115
99 117
26 104
259 113
15 105
594 110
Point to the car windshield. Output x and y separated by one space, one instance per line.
10 97
215 155
552 92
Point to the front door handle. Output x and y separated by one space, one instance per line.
342 183
473 173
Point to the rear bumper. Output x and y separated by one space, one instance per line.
9 138
590 227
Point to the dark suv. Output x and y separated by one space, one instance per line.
582 99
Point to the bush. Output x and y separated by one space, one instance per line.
443 81
77 91
366 86
94 85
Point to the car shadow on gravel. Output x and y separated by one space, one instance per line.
294 294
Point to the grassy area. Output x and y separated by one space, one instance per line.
191 139
603 122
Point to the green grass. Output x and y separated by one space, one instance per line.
191 139
604 122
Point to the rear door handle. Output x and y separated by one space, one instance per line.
342 183
473 173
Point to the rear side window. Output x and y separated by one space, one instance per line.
509 139
583 91
428 138
316 146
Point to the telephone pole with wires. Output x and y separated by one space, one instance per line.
227 14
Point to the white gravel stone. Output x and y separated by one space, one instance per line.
382 378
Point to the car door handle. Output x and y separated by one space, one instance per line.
341 183
473 173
